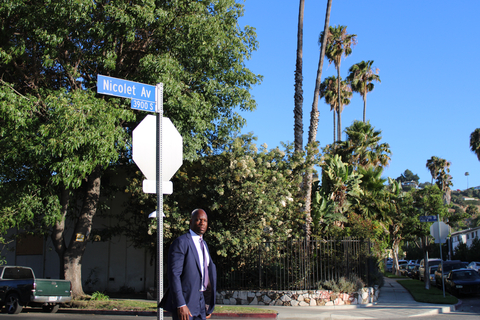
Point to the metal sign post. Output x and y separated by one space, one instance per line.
144 97
159 109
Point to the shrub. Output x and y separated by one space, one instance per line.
99 296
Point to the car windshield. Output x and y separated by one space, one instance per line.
433 269
450 267
465 275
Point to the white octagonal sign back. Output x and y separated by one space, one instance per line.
144 144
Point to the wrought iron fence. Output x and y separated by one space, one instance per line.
295 264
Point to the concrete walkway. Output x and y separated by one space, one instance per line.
394 302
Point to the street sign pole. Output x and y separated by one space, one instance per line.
441 256
159 111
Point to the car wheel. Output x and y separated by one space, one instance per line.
51 308
13 304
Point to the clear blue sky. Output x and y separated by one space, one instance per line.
427 53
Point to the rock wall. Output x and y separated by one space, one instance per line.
300 298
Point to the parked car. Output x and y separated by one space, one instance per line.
389 266
431 262
431 272
411 270
402 269
463 281
447 267
474 265
19 288
415 274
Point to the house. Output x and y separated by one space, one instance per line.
464 236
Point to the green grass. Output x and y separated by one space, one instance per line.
420 294
141 305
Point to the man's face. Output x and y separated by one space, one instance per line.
199 222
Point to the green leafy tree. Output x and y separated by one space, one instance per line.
340 190
247 192
339 44
408 175
361 79
58 137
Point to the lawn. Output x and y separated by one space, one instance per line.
142 305
420 294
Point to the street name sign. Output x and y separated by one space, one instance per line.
428 218
125 89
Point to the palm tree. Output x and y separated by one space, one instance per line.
361 77
298 97
339 44
433 166
312 131
475 142
362 148
329 91
466 175
439 169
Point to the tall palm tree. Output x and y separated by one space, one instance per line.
312 131
298 96
440 168
339 44
360 78
475 142
433 166
362 148
329 91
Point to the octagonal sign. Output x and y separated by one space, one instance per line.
144 145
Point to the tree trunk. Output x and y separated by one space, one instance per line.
365 107
339 110
57 236
334 126
73 255
312 131
298 97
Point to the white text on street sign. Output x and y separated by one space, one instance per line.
428 218
125 89
143 105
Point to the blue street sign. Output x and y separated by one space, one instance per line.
428 218
125 89
143 105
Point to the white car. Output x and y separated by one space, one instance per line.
474 265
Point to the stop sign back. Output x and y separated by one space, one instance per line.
144 143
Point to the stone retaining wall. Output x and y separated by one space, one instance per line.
298 298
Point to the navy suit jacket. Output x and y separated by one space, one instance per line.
185 279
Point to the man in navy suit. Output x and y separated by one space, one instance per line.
191 292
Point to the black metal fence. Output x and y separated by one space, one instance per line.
296 265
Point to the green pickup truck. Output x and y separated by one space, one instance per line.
19 288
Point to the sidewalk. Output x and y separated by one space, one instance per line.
394 302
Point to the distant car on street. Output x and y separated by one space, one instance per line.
463 281
411 270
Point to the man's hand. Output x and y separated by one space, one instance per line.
209 316
184 313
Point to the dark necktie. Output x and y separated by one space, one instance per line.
205 266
